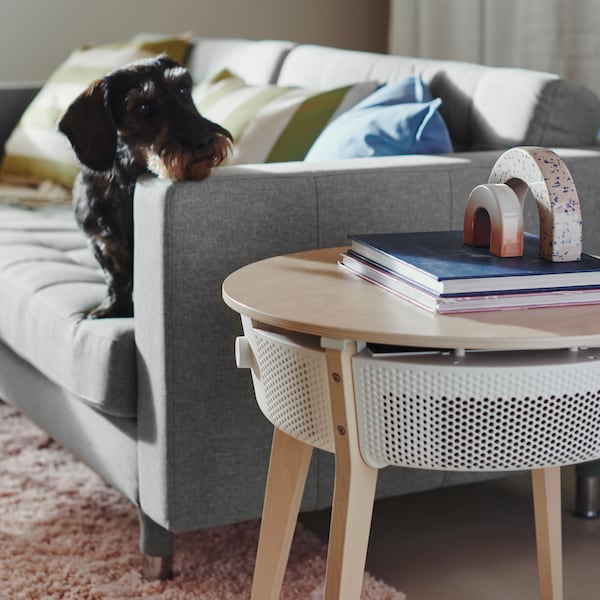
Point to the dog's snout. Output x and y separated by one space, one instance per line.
212 135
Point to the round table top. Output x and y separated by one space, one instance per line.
309 292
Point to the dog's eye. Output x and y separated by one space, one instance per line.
143 109
185 91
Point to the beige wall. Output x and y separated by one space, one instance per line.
35 35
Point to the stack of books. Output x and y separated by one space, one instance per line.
437 271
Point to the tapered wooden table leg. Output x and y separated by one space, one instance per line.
355 482
288 467
548 527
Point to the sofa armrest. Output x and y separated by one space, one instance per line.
203 443
14 98
200 432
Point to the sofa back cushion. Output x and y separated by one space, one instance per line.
484 107
256 62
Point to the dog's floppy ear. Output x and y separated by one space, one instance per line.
90 128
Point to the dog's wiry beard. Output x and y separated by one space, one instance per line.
171 163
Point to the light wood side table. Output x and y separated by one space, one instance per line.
501 390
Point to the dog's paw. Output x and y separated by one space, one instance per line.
110 308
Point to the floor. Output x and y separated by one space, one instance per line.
474 542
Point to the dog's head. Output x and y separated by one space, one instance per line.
146 106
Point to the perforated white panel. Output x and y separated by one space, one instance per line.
438 412
292 388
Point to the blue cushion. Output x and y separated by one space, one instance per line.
398 118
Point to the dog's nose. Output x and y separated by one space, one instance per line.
206 142
212 137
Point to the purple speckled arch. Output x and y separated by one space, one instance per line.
543 172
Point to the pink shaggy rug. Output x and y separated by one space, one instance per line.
66 534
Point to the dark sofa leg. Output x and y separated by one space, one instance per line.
157 567
587 490
156 546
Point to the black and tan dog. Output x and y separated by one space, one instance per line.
138 119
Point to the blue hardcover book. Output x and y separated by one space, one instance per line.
461 303
439 261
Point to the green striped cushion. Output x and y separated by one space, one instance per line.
36 149
270 123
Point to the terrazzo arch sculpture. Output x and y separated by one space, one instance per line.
517 170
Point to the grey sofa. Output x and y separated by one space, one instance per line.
155 404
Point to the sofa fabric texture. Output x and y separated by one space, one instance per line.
155 403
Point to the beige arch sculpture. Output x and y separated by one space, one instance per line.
543 172
494 218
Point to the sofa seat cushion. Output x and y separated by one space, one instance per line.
48 281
